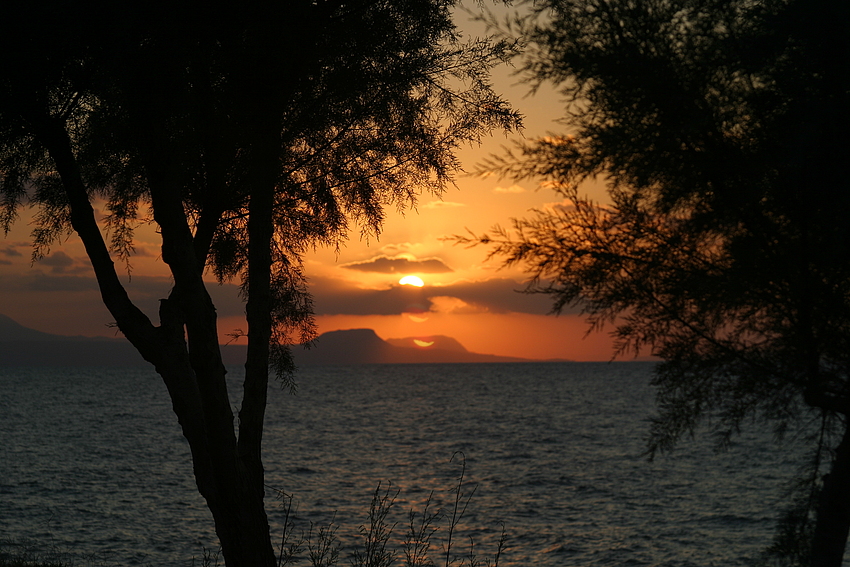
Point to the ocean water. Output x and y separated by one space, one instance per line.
92 461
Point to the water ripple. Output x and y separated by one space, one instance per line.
93 460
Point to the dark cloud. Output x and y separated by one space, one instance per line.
61 263
500 295
387 265
66 293
9 251
149 251
58 260
332 297
145 291
39 281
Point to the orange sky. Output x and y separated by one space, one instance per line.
464 297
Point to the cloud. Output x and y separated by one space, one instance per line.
398 248
39 281
147 251
563 206
58 262
61 263
448 304
70 293
498 295
9 251
399 264
145 291
332 297
511 189
442 205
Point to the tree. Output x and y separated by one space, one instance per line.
719 128
251 133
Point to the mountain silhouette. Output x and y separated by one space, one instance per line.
363 346
11 330
22 346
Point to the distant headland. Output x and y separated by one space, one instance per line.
22 346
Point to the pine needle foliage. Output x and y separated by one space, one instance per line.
719 129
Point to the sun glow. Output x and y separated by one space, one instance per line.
411 280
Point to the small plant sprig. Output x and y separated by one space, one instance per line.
376 536
376 550
419 533
290 547
324 550
320 542
461 502
210 557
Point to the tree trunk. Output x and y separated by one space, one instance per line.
833 519
184 350
258 311
241 525
235 497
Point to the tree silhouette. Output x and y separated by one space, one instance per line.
720 130
251 134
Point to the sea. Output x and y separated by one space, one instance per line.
552 455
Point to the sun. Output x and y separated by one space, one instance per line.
411 280
422 344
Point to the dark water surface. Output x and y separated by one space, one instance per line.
92 460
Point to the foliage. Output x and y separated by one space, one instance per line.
719 129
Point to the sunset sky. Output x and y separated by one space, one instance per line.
463 296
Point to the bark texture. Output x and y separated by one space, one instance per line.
833 518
